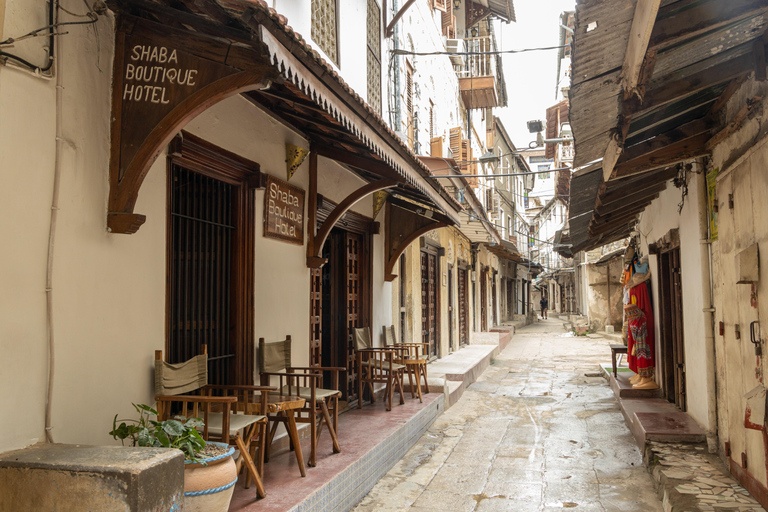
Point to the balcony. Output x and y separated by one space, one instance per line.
478 77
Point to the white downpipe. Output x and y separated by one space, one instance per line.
52 237
709 310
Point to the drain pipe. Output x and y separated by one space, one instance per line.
52 236
707 283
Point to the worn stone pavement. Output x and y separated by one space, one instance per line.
540 430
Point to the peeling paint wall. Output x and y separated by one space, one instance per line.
604 297
741 191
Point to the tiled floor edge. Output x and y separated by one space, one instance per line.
342 494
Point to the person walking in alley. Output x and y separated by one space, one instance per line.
544 303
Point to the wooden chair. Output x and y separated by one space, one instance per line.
222 415
410 355
321 406
376 364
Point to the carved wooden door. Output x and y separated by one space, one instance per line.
429 301
462 307
353 294
484 300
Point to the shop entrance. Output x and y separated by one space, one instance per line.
341 296
450 308
671 310
463 307
429 299
484 300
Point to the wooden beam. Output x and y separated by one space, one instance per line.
729 91
688 130
679 84
342 208
618 195
423 211
631 201
637 46
368 164
403 227
753 104
687 19
312 212
391 27
677 152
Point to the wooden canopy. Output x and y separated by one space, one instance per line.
199 53
654 104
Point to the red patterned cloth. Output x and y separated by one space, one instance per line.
642 359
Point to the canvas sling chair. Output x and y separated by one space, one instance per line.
220 407
376 365
413 357
321 406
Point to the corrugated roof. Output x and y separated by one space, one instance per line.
697 54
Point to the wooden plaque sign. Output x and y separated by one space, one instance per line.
283 211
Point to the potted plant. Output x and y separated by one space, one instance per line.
210 473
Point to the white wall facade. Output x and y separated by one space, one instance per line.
656 221
109 290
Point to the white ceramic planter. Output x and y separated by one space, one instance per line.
209 488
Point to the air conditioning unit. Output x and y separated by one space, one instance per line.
455 46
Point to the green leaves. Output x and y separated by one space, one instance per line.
180 432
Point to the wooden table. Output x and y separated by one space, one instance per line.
616 349
283 407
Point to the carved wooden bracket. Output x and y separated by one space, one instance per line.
402 228
315 245
163 78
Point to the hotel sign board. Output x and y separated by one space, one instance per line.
283 211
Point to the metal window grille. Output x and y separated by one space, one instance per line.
201 246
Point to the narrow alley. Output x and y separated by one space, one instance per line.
539 430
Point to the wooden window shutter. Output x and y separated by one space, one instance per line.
449 24
454 142
436 147
440 4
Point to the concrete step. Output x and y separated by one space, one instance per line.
455 372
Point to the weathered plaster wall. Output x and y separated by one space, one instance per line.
741 160
602 309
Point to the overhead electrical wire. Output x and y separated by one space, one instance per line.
496 52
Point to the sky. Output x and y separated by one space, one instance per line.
530 76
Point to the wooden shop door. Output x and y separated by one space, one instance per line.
484 300
463 308
429 328
672 347
343 304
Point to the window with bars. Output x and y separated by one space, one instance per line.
325 27
374 55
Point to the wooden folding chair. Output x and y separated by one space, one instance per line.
413 357
222 415
376 365
321 406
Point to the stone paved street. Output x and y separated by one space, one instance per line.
539 430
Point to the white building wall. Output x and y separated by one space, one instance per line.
110 289
657 219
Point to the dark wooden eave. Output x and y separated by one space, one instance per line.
656 104
229 35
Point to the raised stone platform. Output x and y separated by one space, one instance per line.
372 441
95 478
454 373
